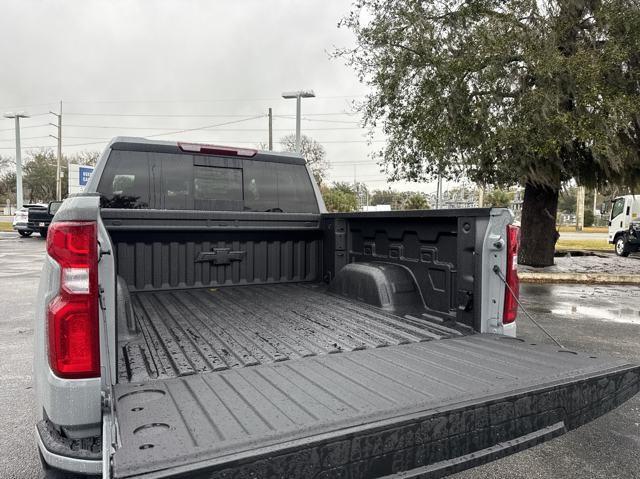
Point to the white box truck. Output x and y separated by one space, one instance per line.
624 219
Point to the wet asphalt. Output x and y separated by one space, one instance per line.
597 319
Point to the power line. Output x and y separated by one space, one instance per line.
24 147
199 115
27 106
160 115
36 147
207 126
210 100
202 100
338 113
25 127
231 140
304 118
28 138
120 127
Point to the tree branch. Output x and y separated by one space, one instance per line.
498 93
411 50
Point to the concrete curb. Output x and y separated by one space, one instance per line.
576 278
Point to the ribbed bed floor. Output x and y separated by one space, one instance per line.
191 331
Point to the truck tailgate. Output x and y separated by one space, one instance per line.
430 408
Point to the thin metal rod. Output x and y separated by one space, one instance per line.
496 270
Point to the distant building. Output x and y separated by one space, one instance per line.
516 203
459 198
376 208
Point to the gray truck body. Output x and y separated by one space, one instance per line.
278 344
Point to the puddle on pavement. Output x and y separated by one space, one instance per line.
622 315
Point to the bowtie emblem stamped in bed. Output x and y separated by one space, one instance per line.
220 256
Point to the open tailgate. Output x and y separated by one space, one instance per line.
429 408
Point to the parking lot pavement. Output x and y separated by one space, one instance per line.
597 319
20 264
600 320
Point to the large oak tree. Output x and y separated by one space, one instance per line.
534 92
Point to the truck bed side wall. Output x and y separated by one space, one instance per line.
441 249
156 250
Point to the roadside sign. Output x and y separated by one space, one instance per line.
78 177
84 174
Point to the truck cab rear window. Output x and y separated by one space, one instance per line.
134 179
126 181
212 183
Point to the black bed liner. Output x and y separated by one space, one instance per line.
213 329
430 408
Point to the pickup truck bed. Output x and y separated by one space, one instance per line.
246 381
458 402
199 306
212 329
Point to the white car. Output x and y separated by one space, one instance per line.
21 218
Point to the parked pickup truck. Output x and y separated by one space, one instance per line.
21 219
201 315
39 218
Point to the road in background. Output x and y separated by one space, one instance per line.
575 235
597 319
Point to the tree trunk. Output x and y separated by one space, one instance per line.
539 234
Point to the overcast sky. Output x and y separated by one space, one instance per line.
193 63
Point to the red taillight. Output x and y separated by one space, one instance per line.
513 291
73 328
217 150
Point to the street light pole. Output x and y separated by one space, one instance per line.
59 158
298 95
298 120
16 117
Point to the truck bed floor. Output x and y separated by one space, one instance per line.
192 331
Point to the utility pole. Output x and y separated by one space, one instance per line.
580 208
298 95
270 129
59 159
19 198
439 192
481 197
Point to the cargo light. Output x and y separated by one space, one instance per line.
217 150
512 292
72 316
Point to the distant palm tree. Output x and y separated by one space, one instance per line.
416 202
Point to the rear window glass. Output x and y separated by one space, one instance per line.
277 187
188 182
126 182
213 183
